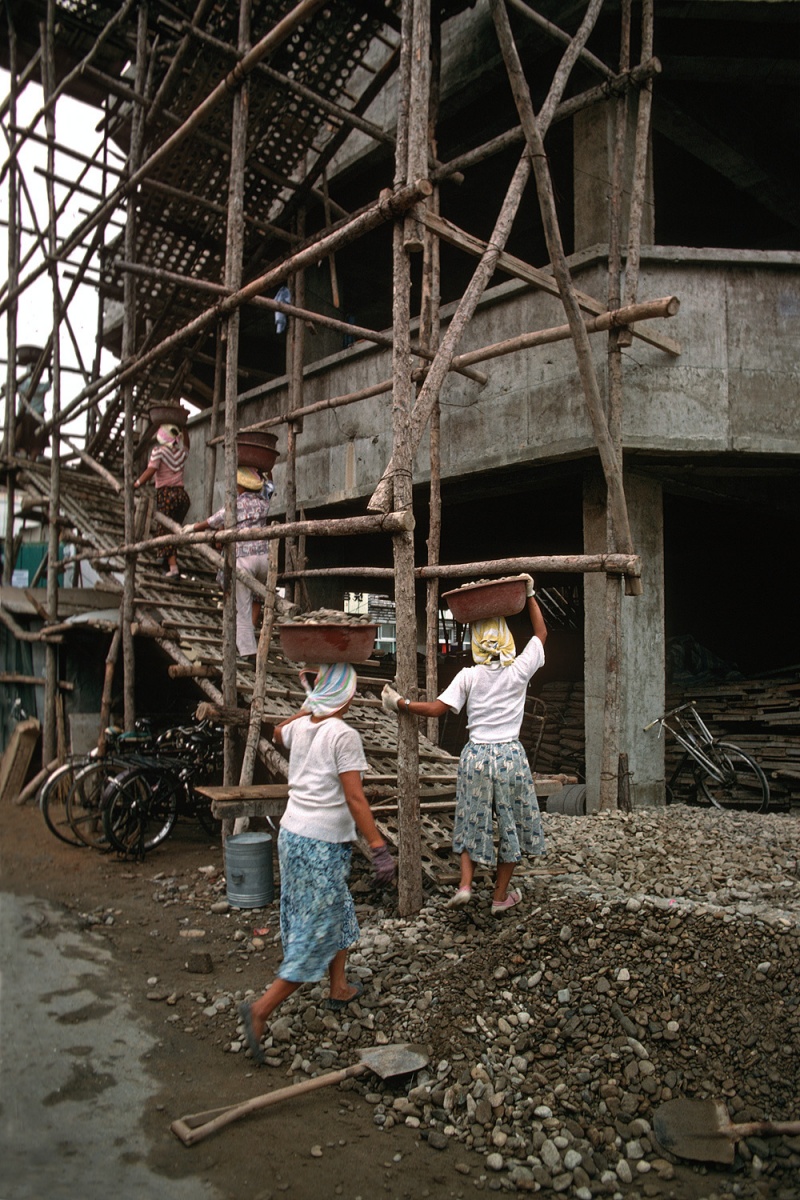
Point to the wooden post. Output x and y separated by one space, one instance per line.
295 344
544 187
260 684
49 733
233 279
640 158
211 446
128 349
429 338
410 850
11 315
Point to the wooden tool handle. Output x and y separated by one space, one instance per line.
756 1128
197 1126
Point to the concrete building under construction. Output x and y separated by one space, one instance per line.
517 287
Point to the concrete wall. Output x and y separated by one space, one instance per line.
733 388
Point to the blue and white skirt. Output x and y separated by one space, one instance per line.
318 917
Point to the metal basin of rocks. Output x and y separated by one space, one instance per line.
327 641
486 598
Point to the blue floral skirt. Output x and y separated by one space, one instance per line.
495 783
318 917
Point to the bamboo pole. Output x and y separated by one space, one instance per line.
483 273
291 310
233 279
397 522
430 333
49 732
211 446
11 314
610 754
568 564
260 684
409 843
430 390
608 456
640 160
128 348
540 279
565 110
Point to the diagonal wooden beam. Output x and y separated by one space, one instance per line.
609 458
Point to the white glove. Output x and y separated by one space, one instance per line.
529 588
389 699
187 529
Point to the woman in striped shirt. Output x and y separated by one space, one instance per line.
165 466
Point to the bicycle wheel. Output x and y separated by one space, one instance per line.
202 810
742 785
139 808
84 801
53 800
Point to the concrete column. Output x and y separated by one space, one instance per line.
593 150
641 662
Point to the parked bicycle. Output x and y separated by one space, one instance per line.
722 773
141 804
80 826
72 798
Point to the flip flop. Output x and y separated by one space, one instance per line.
338 1005
253 1044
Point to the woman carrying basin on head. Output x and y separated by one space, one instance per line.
494 776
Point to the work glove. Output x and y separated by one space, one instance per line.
187 528
382 864
529 588
389 699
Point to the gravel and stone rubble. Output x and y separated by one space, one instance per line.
658 957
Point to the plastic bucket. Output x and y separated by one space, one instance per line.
248 870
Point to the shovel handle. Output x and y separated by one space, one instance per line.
758 1128
196 1126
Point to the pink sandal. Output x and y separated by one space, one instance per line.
462 896
501 906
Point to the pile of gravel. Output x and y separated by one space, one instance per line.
660 959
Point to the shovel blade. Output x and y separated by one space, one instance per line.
400 1058
697 1129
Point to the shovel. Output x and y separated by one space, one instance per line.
386 1061
703 1131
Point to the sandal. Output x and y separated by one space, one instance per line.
337 1005
253 1043
501 906
461 897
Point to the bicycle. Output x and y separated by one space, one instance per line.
55 792
722 772
140 805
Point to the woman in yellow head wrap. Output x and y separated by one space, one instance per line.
494 777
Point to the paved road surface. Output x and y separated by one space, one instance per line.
73 1085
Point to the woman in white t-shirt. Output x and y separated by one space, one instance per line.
494 777
326 805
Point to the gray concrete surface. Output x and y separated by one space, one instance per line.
73 1082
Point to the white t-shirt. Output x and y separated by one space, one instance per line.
495 695
319 752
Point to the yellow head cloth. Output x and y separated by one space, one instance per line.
249 478
491 639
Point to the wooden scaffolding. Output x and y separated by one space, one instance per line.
218 127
